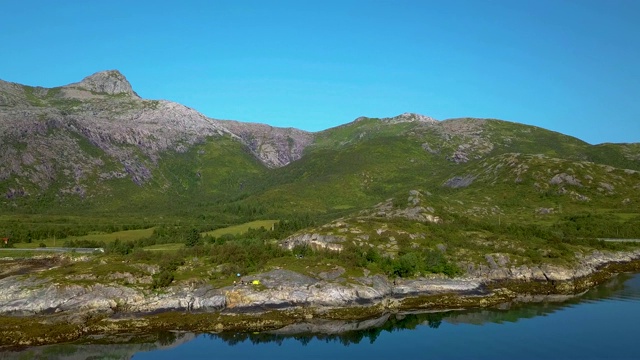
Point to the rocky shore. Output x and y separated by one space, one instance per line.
282 298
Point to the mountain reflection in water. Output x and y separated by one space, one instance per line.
621 289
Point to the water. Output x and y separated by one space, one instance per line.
601 324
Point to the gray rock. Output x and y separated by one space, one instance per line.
279 277
459 181
492 263
428 149
589 264
110 82
563 178
316 241
433 286
459 156
24 295
580 197
275 147
410 117
332 275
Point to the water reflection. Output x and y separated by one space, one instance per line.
621 288
108 347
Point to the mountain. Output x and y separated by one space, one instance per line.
95 146
82 139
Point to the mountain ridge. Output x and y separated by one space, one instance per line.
83 139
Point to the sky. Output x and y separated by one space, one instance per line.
571 66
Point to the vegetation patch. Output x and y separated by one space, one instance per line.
242 228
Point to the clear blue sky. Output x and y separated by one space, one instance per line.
568 65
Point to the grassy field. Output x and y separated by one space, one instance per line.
164 247
242 228
128 235
16 254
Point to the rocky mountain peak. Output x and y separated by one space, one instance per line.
410 117
402 118
110 82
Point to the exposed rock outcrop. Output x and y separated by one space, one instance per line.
563 178
110 82
410 117
315 241
280 289
587 265
275 147
414 209
459 181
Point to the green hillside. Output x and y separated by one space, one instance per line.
357 165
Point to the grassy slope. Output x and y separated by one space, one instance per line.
194 182
187 188
352 167
349 167
359 164
208 173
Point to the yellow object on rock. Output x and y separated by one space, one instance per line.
256 282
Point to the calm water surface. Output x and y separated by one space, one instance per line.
604 323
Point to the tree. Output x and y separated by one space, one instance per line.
193 238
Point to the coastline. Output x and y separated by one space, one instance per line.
37 312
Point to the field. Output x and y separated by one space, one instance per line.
127 235
242 228
164 247
12 253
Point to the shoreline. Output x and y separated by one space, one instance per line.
278 304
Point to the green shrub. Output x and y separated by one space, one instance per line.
406 265
120 247
162 280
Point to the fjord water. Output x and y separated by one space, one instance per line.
600 324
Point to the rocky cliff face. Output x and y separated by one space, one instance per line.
275 147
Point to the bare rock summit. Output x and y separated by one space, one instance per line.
410 117
110 82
